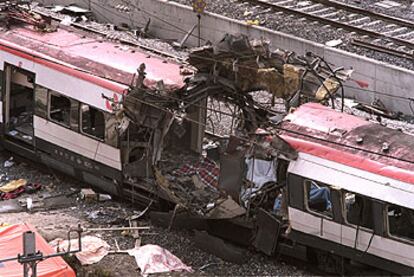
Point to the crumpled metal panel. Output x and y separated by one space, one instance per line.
232 173
268 230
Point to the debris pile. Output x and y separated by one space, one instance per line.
191 182
19 11
240 66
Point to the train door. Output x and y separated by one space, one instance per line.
18 106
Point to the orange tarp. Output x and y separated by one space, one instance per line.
11 244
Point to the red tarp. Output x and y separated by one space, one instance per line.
11 244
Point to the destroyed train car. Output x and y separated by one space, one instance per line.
101 111
132 123
320 185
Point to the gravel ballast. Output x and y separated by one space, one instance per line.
306 29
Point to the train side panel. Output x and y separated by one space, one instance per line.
363 236
46 116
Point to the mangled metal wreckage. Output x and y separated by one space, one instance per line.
166 127
268 184
69 102
302 183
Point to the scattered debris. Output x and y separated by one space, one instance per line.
334 43
13 185
88 194
255 22
15 188
29 203
115 229
104 197
226 209
8 163
377 108
387 4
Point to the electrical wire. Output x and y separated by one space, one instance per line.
296 133
182 31
120 15
343 145
280 128
152 15
409 99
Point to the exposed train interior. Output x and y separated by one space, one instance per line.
20 105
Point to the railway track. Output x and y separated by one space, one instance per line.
375 31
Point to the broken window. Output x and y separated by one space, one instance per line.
358 210
74 115
400 222
40 101
111 133
1 83
59 110
318 198
93 122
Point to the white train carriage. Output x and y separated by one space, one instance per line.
56 109
367 174
57 91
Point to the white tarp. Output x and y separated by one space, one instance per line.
152 258
93 248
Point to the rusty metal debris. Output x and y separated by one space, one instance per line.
377 108
242 66
153 117
19 11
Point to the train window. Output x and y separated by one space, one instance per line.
400 222
318 198
358 210
74 115
41 101
1 83
93 122
59 109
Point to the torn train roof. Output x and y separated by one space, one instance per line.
91 56
323 132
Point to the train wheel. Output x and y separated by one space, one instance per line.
328 262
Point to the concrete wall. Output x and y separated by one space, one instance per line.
170 20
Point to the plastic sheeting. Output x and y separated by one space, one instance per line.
259 172
155 259
11 244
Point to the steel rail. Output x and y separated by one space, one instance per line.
331 22
383 49
354 9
